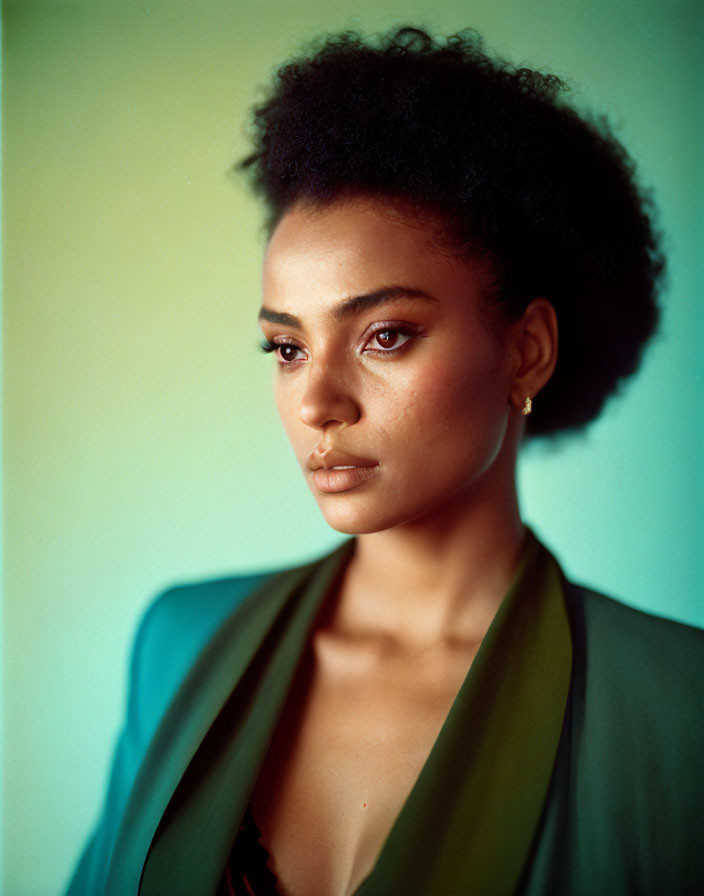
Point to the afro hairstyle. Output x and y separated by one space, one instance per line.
547 194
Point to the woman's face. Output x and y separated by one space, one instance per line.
393 388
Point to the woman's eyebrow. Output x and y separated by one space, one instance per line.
279 317
357 304
353 305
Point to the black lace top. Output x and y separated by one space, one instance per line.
247 872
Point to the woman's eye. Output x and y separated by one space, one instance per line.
286 353
387 340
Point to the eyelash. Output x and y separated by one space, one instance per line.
269 345
273 345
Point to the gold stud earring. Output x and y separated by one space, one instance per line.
527 406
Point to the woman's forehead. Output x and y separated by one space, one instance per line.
356 246
353 223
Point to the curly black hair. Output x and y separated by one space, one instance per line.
547 194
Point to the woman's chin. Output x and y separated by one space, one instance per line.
354 527
364 518
355 521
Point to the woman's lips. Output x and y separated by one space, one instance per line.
342 478
333 470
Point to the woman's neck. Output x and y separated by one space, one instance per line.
442 576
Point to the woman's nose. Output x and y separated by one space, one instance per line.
328 398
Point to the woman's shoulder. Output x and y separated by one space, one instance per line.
172 635
642 671
616 630
177 626
636 730
189 613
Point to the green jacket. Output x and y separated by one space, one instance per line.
572 761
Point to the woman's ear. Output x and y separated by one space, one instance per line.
535 339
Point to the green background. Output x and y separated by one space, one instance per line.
141 442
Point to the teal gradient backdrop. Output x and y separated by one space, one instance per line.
141 442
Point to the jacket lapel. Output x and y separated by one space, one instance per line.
496 750
471 818
227 707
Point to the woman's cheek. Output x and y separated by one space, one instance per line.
441 394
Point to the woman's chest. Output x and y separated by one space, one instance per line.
358 728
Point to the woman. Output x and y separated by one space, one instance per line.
433 708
